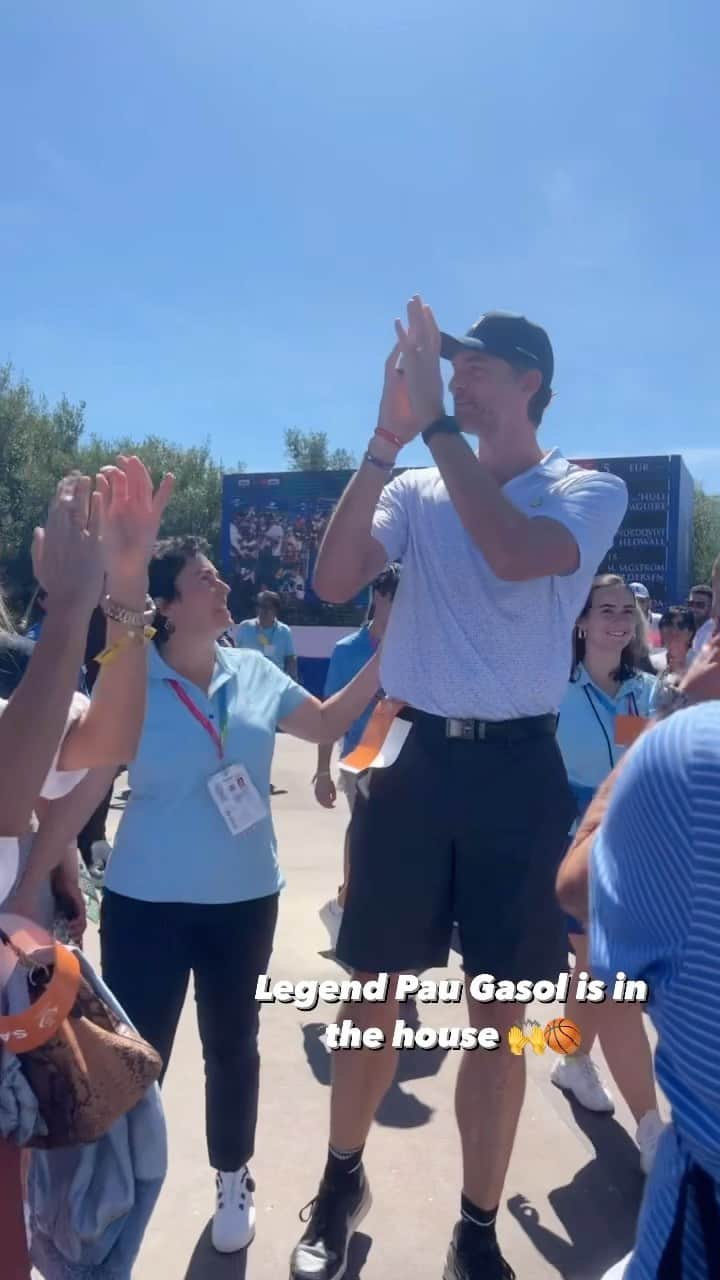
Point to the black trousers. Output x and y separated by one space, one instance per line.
149 950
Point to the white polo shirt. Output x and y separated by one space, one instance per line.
463 642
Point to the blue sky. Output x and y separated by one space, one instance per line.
210 214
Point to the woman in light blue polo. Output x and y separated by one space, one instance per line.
604 684
193 882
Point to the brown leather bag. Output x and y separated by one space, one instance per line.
90 1068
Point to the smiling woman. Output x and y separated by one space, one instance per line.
193 882
605 684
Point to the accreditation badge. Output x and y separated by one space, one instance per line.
237 799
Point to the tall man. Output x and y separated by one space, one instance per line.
499 549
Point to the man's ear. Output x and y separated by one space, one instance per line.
531 381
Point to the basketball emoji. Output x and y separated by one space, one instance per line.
562 1036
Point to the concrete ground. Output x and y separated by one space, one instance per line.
574 1186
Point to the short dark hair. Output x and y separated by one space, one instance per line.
680 618
387 582
169 558
702 589
539 401
269 599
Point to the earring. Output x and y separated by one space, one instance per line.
163 625
581 635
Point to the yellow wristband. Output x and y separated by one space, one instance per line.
109 655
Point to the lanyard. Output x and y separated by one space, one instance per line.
264 640
632 703
218 738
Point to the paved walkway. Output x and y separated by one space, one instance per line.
574 1184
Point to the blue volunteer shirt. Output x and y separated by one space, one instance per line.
275 642
586 728
349 657
654 913
173 845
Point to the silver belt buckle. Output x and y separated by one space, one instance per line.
463 729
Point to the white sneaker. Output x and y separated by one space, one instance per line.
331 915
578 1075
649 1132
233 1226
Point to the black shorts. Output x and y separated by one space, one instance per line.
466 832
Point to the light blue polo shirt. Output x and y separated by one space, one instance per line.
349 657
275 642
172 844
586 728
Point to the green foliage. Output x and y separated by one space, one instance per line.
706 533
40 444
310 451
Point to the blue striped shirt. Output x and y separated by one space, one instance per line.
655 914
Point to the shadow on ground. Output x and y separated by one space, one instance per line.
607 1190
399 1109
358 1253
206 1264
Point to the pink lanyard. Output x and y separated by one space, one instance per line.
218 738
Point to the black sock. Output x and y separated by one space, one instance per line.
476 1222
342 1165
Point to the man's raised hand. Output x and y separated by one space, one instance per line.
396 414
420 363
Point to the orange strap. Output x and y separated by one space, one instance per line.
376 731
24 1031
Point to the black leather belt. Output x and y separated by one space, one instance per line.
460 730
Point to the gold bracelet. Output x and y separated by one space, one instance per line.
109 655
118 613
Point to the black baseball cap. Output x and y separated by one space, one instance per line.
510 337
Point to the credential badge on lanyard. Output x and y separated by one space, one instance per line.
232 790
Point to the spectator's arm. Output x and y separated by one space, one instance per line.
572 878
34 720
324 759
326 722
60 823
109 731
291 666
353 552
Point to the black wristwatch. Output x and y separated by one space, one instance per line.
445 426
